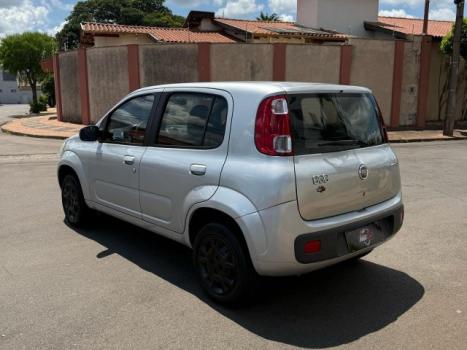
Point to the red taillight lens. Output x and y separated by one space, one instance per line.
272 131
312 247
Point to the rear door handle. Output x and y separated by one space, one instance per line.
198 169
129 160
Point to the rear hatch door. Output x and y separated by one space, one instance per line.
342 161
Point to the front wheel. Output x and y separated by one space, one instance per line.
76 211
222 264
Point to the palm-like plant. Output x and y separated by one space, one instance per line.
264 16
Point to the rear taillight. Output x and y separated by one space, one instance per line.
272 131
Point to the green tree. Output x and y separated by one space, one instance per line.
263 16
48 89
446 48
21 54
130 12
448 41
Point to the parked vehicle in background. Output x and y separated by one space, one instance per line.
267 179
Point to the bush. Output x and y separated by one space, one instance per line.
40 106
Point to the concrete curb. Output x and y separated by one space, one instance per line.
24 134
429 140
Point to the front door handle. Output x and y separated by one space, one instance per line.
198 169
129 160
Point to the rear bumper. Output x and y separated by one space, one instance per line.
333 242
286 233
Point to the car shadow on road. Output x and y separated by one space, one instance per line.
323 309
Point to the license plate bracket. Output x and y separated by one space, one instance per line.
365 237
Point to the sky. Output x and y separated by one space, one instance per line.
48 16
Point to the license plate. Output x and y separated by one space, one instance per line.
364 237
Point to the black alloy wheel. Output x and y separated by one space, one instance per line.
222 264
74 206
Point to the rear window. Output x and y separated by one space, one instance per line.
323 123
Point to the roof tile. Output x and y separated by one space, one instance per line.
174 35
414 26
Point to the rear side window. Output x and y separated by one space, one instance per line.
193 120
324 123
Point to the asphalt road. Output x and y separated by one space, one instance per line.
7 111
115 286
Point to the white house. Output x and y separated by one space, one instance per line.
11 92
343 16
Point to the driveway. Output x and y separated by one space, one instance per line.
7 111
114 286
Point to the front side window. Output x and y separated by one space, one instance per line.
324 123
193 120
127 124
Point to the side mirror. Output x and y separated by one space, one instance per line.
89 133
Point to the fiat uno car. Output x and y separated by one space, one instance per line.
267 179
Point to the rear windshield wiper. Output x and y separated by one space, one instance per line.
343 143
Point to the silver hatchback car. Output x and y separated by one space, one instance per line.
259 178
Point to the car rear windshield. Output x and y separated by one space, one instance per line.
334 122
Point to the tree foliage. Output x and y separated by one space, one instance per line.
130 12
21 54
448 41
263 16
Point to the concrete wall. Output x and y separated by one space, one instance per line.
372 64
410 80
233 62
311 63
373 67
71 104
163 64
122 39
349 17
438 86
108 78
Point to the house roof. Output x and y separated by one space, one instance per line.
410 26
268 28
173 35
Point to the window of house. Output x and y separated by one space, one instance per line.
127 124
193 120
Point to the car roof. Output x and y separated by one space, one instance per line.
264 87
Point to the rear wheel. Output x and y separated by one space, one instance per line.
222 264
76 211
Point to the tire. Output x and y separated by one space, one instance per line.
76 211
223 266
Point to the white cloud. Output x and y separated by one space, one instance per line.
443 14
287 18
287 9
411 3
239 8
22 17
283 6
54 30
395 13
10 3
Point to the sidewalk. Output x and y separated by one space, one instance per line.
49 127
44 126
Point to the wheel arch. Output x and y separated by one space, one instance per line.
71 164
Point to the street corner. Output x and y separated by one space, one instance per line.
42 126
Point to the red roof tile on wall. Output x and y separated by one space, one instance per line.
174 35
276 27
414 26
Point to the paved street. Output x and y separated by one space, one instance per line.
117 287
6 111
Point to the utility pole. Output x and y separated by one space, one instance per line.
455 60
425 18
